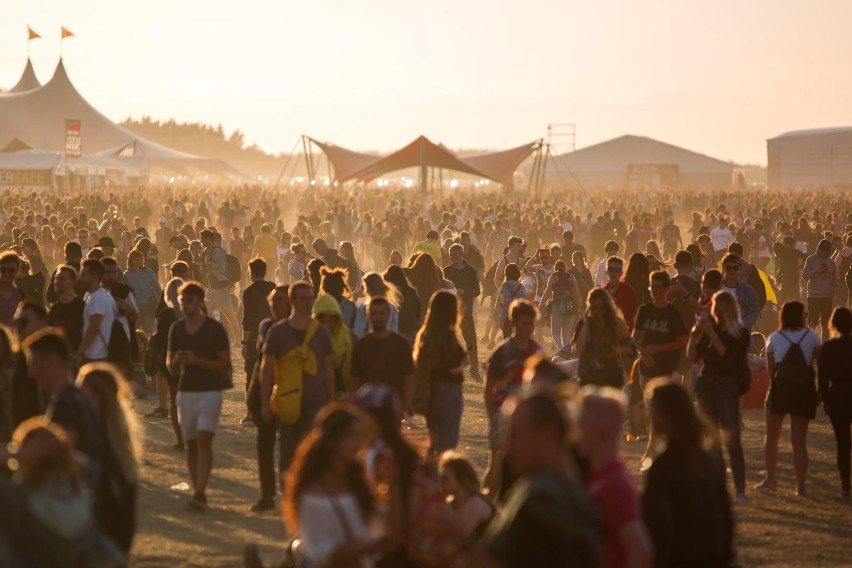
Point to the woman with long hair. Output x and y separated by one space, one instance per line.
314 274
347 252
562 294
722 343
327 500
792 391
440 360
685 503
636 273
146 289
469 507
375 285
581 273
116 509
602 339
333 283
835 385
46 518
425 276
411 308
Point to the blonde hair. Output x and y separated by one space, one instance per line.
726 308
123 431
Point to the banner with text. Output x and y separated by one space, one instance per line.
26 177
73 146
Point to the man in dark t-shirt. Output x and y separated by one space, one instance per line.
67 313
255 310
383 356
200 355
659 331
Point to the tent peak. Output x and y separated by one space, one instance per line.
28 80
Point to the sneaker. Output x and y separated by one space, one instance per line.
766 486
197 503
246 420
158 412
263 505
801 491
742 500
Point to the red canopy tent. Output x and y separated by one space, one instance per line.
423 153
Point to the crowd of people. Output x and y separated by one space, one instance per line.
586 318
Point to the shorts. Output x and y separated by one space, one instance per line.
198 412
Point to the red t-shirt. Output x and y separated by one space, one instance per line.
613 490
625 298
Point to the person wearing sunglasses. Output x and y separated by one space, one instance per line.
742 291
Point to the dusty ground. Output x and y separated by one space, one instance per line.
781 530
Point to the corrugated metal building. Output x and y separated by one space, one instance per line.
818 158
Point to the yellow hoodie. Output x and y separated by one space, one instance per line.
341 340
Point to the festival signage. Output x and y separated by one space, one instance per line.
73 145
652 176
26 177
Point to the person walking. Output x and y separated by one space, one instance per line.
722 343
218 294
99 313
411 308
200 355
255 310
602 340
834 369
122 445
820 273
146 289
466 280
790 354
439 361
561 295
327 501
279 307
309 344
685 502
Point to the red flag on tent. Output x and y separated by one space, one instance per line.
66 32
32 34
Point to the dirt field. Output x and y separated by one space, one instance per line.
781 530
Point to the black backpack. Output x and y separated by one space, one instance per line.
233 270
793 371
118 347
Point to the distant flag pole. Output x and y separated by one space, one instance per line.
31 35
65 34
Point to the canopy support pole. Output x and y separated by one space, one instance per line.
286 163
424 173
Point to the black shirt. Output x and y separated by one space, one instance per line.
72 409
255 306
659 326
384 361
69 318
732 361
687 509
835 372
210 340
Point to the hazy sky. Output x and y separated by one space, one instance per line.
718 79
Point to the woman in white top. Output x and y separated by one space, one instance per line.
792 391
327 501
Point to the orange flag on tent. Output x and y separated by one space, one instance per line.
66 32
32 34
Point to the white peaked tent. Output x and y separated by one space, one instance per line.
640 162
815 158
27 82
37 117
